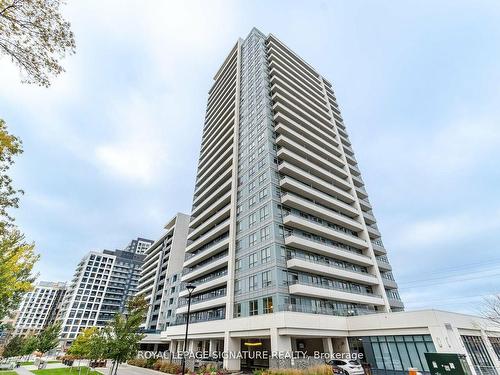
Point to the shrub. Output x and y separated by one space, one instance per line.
315 370
169 367
139 362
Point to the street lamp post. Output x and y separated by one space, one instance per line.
190 288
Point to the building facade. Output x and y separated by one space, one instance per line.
161 274
102 284
39 308
283 245
281 219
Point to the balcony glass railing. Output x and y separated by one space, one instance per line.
207 246
332 287
203 297
326 310
321 222
328 263
202 316
383 259
325 242
206 279
319 192
203 263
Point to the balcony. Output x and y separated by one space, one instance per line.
208 236
211 210
329 269
300 101
369 218
310 141
309 244
389 284
310 226
310 167
325 310
373 231
207 284
378 247
337 294
365 205
396 303
302 204
383 263
324 161
325 186
361 192
201 205
358 181
213 248
307 131
205 269
211 222
203 305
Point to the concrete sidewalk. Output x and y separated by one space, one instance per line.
125 369
23 371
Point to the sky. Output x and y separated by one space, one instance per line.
111 147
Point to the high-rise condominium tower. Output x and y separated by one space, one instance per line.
101 286
39 307
281 218
161 274
283 245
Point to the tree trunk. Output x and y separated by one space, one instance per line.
112 369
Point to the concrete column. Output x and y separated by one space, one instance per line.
490 349
173 346
232 347
280 343
340 345
155 347
328 345
191 345
212 346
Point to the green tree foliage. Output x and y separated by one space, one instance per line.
122 334
30 344
35 36
17 257
10 147
48 338
97 346
14 347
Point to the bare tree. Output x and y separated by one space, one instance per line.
492 309
35 36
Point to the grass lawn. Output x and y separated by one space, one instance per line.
8 372
65 371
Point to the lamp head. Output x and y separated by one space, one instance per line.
190 288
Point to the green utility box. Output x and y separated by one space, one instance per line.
447 364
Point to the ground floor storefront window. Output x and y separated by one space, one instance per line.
479 355
393 355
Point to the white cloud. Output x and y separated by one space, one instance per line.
137 150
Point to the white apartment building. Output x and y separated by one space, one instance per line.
39 307
283 245
101 286
161 275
